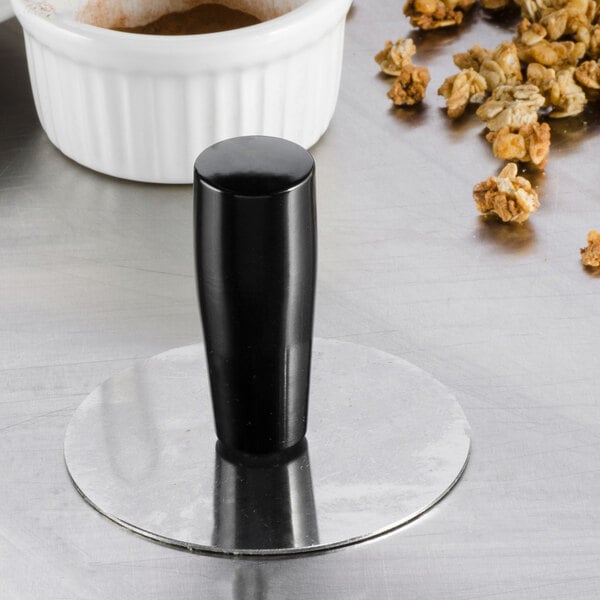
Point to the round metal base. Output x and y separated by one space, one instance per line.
385 442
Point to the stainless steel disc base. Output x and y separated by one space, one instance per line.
385 442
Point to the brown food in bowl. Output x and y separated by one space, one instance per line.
205 18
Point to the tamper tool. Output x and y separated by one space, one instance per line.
256 265
378 444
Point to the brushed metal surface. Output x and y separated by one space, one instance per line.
96 273
386 442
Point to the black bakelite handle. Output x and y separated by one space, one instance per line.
255 235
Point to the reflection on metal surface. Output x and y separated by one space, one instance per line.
250 582
264 503
134 458
513 238
387 441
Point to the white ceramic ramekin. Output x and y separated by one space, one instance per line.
5 10
143 107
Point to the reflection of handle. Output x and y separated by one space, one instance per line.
255 266
262 504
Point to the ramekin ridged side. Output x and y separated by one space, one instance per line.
148 123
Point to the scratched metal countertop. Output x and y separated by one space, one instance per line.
96 273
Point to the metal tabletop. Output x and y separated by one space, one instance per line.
96 273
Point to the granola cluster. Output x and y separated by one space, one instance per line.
558 42
500 66
549 70
433 14
528 143
512 106
508 196
495 4
590 255
410 83
395 57
461 89
587 74
410 86
535 46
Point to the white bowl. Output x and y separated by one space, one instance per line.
143 107
5 10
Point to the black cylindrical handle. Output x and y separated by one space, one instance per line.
255 238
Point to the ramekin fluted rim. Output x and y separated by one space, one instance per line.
239 47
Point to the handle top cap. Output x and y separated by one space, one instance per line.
254 166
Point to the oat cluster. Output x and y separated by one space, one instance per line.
550 69
433 14
499 66
511 106
590 255
462 88
527 144
410 83
508 196
396 57
553 33
495 4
